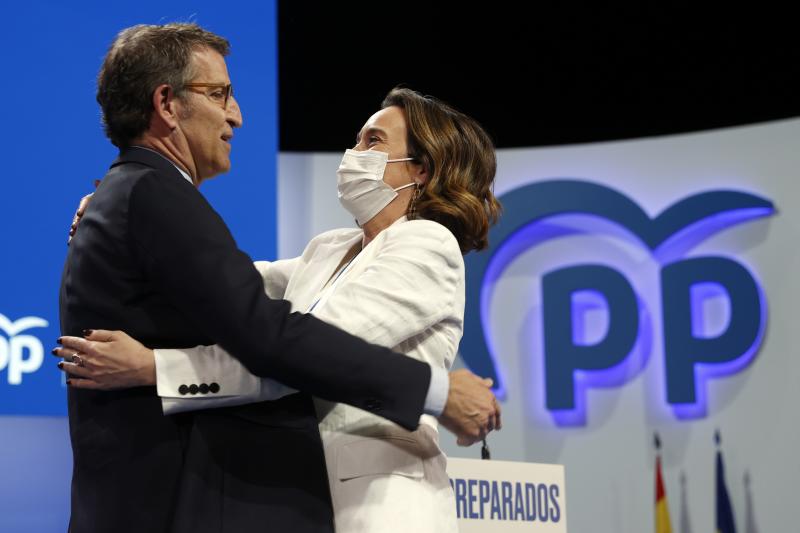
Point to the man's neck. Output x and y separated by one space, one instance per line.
169 151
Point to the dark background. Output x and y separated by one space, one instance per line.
535 74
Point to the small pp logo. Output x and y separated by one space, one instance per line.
21 354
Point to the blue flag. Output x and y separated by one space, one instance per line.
725 523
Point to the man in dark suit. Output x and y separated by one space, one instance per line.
152 258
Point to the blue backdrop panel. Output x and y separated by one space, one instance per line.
52 148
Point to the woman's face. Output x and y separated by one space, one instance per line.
385 131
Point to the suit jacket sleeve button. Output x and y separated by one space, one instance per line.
182 390
214 388
192 389
203 388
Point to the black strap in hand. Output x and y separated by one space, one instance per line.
485 454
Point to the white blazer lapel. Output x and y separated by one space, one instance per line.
317 270
353 269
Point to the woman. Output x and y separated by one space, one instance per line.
418 183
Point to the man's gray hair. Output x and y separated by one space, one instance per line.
140 59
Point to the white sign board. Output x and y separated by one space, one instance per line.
501 496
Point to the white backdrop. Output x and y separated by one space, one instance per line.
609 461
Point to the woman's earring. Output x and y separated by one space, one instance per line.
412 206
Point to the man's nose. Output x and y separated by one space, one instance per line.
234 113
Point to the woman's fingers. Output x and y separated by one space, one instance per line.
81 357
82 205
111 359
92 344
101 335
75 371
69 352
71 347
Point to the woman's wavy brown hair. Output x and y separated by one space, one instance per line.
460 160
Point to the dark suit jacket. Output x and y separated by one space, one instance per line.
153 259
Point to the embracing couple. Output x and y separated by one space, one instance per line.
212 394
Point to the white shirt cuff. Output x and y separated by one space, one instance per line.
437 391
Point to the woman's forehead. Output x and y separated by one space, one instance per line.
390 120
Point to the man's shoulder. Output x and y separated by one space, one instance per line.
139 184
123 178
142 168
127 175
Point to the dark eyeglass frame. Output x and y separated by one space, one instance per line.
228 89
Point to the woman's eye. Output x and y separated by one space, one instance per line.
218 95
373 139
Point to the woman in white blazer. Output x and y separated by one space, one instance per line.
419 184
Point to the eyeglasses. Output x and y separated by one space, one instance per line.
221 95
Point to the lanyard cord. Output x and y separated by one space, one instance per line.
331 285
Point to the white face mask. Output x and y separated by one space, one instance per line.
362 190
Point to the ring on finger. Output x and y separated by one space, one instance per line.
78 360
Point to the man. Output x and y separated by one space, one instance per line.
152 258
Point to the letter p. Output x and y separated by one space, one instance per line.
564 355
687 352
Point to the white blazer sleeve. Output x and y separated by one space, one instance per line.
207 376
218 378
276 275
409 285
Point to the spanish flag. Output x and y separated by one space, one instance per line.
663 524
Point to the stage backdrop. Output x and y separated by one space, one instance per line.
632 287
53 147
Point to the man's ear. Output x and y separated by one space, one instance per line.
165 107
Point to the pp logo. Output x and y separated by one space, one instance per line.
571 364
21 354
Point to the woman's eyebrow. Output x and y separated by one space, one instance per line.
372 129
